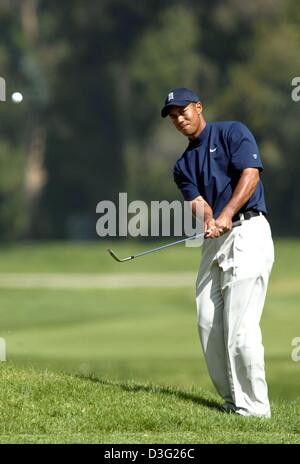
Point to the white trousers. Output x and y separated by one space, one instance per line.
230 294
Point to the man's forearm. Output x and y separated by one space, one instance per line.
243 191
204 209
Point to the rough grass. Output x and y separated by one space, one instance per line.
47 407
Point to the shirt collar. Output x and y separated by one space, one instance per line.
201 137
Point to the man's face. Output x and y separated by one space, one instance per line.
187 119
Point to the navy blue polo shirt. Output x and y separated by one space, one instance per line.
212 164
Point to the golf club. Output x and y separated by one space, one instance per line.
129 258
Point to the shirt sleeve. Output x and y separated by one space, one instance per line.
243 148
188 188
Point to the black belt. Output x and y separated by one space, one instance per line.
250 213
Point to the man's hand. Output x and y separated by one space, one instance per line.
213 228
224 222
210 228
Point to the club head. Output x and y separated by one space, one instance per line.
118 259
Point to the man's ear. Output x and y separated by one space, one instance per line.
199 107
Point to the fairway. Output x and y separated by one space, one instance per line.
143 334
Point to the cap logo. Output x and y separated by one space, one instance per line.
171 96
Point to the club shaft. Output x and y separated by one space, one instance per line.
202 235
168 245
235 224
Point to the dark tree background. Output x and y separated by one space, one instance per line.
94 76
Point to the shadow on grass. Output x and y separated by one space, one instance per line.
134 388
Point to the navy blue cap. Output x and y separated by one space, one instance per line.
179 97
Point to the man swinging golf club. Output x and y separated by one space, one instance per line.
221 169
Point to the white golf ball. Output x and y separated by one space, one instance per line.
17 97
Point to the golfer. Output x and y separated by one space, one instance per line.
221 169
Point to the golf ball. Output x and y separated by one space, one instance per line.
17 97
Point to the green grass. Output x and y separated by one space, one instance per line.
145 338
46 407
142 334
92 257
